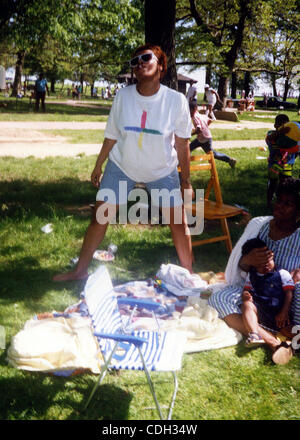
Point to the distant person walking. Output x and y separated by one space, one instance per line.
40 92
212 97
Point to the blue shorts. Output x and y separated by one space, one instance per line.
115 188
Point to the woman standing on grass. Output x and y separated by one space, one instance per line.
146 122
282 237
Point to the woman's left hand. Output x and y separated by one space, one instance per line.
96 176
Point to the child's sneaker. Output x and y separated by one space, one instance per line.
254 340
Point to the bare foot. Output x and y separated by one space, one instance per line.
283 354
70 276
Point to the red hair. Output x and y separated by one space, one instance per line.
158 52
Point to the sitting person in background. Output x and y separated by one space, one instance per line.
282 236
267 298
204 137
280 163
250 103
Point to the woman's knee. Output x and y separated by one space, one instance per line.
248 305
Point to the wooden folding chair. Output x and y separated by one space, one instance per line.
213 209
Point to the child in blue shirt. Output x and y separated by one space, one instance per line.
267 296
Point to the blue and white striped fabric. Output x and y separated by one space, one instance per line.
286 251
163 350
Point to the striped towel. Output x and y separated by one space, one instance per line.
163 350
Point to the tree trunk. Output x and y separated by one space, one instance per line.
286 88
233 85
247 80
18 73
208 74
273 80
222 88
160 30
92 88
52 85
81 82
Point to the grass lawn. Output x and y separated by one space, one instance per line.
268 116
97 136
12 109
227 384
78 136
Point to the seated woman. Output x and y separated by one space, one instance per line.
282 236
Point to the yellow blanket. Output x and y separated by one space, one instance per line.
55 344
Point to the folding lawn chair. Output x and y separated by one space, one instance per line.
121 349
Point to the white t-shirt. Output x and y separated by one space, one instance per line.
144 128
210 96
192 92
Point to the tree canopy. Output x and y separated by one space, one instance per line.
93 39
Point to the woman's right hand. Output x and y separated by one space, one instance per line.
96 176
258 256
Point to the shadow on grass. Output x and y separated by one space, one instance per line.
34 201
24 280
29 395
34 196
242 351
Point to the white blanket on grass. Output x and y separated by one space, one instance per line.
201 325
55 344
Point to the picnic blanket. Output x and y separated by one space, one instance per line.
63 342
192 315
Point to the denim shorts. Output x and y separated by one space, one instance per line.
115 188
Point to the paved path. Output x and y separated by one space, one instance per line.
50 125
74 125
23 139
46 149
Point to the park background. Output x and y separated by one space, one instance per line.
47 158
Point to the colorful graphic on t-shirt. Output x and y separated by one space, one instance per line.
142 129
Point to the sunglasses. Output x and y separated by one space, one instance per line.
145 57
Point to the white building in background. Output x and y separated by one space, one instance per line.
198 75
